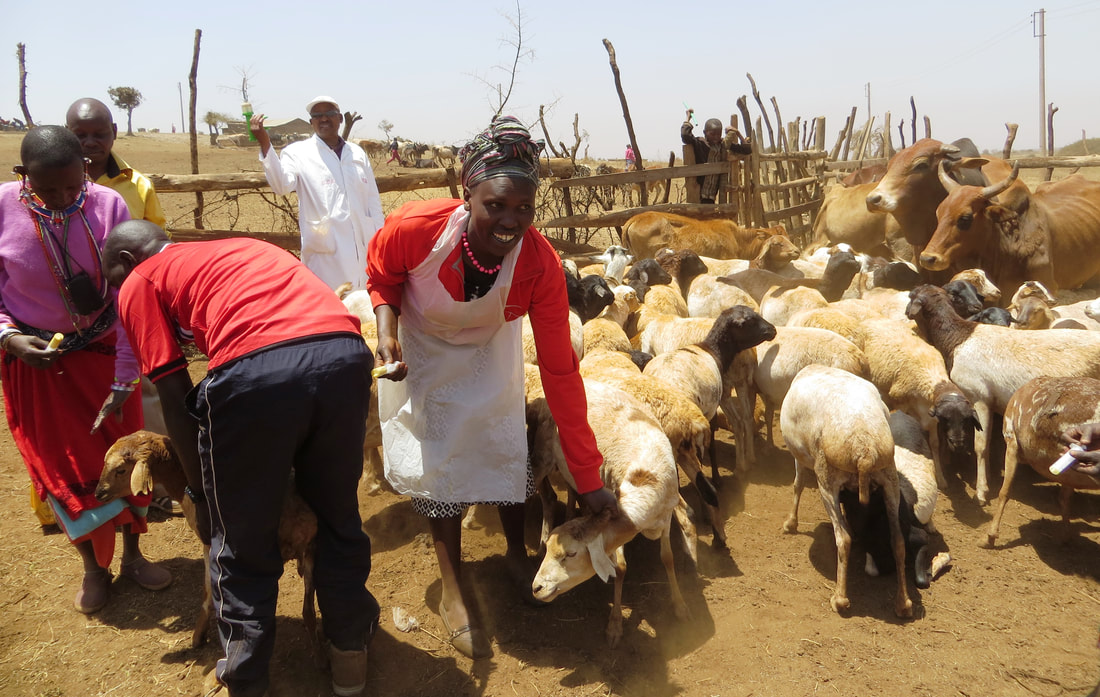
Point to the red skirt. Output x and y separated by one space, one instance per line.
50 413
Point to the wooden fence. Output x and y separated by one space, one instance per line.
765 188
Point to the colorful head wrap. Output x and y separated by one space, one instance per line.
505 149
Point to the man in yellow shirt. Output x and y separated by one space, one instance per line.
91 121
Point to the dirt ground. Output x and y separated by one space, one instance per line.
1020 620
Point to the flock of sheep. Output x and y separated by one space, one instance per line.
878 379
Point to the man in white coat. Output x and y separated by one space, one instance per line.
339 209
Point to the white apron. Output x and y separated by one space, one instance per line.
454 429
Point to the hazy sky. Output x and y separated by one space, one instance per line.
425 66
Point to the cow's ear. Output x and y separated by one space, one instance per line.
1004 220
971 163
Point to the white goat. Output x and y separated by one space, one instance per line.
836 426
639 467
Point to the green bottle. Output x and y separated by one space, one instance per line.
246 111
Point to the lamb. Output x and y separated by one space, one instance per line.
1035 418
639 467
836 426
917 481
606 331
648 271
994 315
791 349
1037 308
839 271
989 363
708 296
135 462
896 275
831 319
911 376
980 280
704 371
875 303
688 430
357 302
660 301
527 333
964 297
588 296
682 266
615 260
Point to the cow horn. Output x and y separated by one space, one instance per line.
948 149
949 184
994 189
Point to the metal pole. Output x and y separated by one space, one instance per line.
183 121
1038 20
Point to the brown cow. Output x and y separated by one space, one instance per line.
844 218
911 189
1051 238
648 232
375 149
863 175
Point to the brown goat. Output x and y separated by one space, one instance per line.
135 462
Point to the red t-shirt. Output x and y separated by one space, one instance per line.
538 290
231 297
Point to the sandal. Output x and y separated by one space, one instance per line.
166 505
94 590
467 639
146 574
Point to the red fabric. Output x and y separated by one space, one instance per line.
538 290
50 413
232 296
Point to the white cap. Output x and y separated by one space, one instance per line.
319 100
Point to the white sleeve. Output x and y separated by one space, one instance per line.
281 172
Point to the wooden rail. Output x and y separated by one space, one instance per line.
559 168
700 211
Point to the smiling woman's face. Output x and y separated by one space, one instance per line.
501 210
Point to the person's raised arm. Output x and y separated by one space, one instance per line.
256 123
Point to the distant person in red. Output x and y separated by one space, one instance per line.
286 392
629 157
394 152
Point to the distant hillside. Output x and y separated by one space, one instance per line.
1081 147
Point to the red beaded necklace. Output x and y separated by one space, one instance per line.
470 254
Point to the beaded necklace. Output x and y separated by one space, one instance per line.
473 260
56 251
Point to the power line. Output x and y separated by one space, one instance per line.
986 45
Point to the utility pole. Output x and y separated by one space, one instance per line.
183 121
1038 21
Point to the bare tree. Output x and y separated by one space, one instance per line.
21 54
128 98
350 119
385 126
516 41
